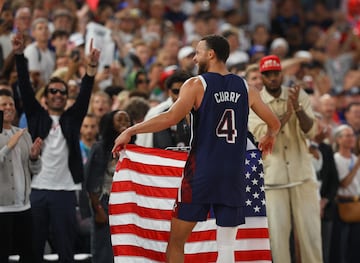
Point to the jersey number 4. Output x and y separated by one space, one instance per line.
226 126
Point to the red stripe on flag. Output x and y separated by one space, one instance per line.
118 166
201 257
198 236
144 212
252 255
138 252
160 256
242 234
252 233
152 191
180 156
140 232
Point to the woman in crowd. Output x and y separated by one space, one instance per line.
99 171
19 159
346 235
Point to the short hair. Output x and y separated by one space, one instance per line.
137 108
339 129
230 12
203 15
59 33
6 86
107 131
139 93
140 72
220 46
39 21
103 94
55 80
177 76
138 42
6 92
352 104
113 90
90 115
229 32
251 68
22 9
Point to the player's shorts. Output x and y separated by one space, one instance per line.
226 216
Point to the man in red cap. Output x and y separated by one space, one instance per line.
290 187
270 63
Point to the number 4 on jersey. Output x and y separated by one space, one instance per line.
226 127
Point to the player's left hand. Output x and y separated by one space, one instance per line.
266 144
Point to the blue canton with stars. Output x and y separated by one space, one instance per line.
255 189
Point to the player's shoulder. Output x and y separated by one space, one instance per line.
195 81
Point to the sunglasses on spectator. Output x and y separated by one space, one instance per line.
141 81
54 91
175 91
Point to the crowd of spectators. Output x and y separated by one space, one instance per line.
143 42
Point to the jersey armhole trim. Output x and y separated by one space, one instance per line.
203 82
246 85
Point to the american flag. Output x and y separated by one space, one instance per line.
144 190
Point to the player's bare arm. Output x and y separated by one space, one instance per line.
266 143
263 111
190 97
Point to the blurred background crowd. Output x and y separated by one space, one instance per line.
144 42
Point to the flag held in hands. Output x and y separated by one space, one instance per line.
145 186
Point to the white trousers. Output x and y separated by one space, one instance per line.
299 208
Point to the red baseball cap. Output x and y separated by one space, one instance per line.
167 72
270 62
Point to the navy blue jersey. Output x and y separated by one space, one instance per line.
214 171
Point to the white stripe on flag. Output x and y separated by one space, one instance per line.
142 201
146 223
164 225
190 247
147 179
154 160
133 240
